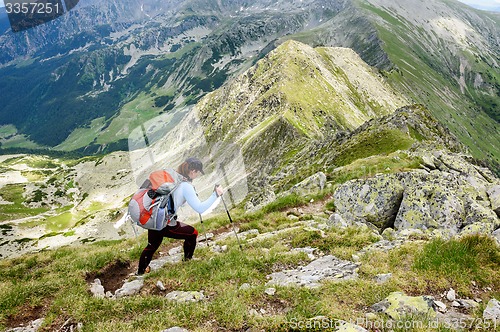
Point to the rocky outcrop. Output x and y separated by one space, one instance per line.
373 200
455 197
494 195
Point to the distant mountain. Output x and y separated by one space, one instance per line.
85 80
490 8
4 20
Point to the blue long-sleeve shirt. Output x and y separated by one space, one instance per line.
186 193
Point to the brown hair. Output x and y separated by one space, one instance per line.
183 170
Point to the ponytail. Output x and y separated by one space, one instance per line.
183 170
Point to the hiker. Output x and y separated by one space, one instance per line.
185 192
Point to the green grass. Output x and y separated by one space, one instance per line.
374 143
56 280
472 258
14 193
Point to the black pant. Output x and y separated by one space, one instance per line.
180 231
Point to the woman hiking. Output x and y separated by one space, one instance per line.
185 192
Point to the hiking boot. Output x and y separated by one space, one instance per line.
147 270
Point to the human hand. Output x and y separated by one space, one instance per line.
218 190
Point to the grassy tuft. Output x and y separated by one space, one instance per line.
473 257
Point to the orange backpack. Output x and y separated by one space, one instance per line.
152 206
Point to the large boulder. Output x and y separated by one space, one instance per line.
375 200
494 197
430 206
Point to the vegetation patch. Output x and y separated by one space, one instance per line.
471 258
373 143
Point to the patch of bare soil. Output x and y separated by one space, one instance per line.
26 314
113 275
314 208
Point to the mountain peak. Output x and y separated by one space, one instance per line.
313 89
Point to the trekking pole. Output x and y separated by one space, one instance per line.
201 222
231 221
133 226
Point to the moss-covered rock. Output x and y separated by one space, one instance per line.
430 206
494 197
452 199
398 305
374 200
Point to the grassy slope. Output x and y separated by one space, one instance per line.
426 85
55 281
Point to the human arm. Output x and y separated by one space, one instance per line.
192 199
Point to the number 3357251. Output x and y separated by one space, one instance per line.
32 8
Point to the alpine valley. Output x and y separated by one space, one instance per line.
357 141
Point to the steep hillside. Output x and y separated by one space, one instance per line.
294 95
446 57
118 64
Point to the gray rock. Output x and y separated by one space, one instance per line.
307 250
174 251
32 326
494 197
496 236
130 288
160 285
430 205
382 245
324 268
451 295
477 213
374 200
245 234
398 305
468 304
453 199
270 291
181 296
205 237
254 312
245 286
492 310
175 329
158 263
336 221
97 289
218 249
383 278
440 306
